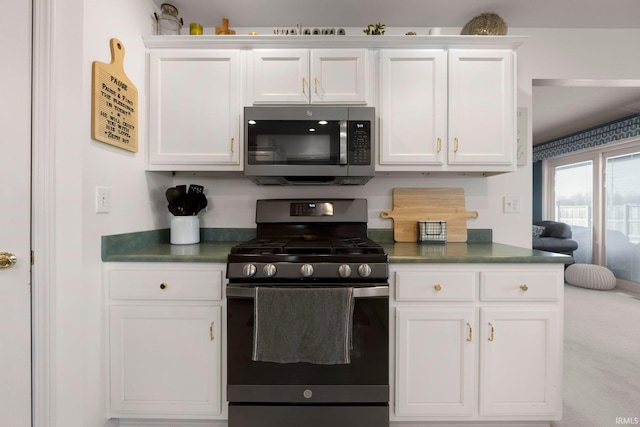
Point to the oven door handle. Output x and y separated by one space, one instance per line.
366 292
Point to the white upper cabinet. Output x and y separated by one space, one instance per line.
444 104
303 76
449 110
194 109
413 107
482 108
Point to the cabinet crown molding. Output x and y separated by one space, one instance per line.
363 41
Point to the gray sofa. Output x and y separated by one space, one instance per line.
555 237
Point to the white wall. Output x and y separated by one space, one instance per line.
82 33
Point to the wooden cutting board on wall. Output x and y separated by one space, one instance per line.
411 205
114 102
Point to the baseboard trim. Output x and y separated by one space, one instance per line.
631 287
472 424
171 423
223 423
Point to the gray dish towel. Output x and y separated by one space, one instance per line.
310 325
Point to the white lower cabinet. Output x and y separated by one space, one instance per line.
164 340
519 367
477 342
435 361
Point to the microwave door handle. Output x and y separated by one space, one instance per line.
343 142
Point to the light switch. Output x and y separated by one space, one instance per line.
511 204
103 199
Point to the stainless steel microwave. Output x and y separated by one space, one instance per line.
309 145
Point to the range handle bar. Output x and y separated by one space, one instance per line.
362 292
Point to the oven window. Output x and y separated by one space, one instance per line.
294 142
369 355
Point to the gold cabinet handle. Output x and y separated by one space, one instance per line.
232 143
7 260
524 288
438 288
304 85
163 286
439 145
470 337
315 85
211 337
492 330
455 145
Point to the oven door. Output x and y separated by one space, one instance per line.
364 380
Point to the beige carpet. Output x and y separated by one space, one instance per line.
601 359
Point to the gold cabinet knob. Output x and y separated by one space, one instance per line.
7 260
438 288
524 288
163 286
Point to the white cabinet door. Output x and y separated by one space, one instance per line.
456 114
165 361
482 108
520 361
303 76
413 108
194 109
280 76
338 76
434 361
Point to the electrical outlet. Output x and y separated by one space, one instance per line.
103 199
511 204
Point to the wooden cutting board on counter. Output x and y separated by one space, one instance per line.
411 205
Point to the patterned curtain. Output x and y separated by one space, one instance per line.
613 131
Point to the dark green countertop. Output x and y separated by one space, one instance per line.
153 246
469 253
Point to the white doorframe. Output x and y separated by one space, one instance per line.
43 214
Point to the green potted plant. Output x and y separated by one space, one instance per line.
374 29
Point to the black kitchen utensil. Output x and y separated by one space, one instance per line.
194 188
196 196
174 209
183 202
175 204
195 202
202 202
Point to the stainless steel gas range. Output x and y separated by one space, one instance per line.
308 318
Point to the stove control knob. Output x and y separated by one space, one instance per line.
269 270
249 270
306 270
364 270
344 270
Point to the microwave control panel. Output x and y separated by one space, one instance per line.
359 142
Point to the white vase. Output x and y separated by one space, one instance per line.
185 230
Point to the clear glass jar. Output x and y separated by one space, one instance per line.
168 21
